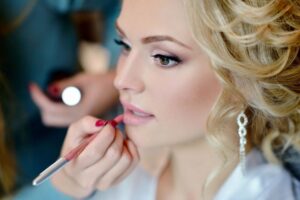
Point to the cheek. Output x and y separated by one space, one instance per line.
186 104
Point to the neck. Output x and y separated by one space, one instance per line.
184 170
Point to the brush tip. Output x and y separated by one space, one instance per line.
119 118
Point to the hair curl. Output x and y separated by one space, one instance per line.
254 49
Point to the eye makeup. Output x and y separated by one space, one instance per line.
122 44
166 60
162 58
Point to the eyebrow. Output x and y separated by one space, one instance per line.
155 38
160 38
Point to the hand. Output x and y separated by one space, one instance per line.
106 161
98 91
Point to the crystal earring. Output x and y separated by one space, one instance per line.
242 121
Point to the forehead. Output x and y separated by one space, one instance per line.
154 17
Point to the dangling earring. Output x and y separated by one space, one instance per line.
242 121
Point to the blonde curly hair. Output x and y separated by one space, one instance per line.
254 49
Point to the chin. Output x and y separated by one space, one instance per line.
149 139
142 138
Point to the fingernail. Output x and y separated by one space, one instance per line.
53 90
113 123
100 122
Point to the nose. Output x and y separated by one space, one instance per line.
129 74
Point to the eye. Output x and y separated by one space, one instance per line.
166 61
125 47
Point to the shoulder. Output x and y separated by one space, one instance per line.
262 181
270 181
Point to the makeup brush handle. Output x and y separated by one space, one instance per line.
74 153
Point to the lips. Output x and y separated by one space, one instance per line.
134 115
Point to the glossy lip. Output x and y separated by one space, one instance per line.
132 118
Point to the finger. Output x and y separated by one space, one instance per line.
102 151
45 104
118 170
38 96
89 171
132 150
80 129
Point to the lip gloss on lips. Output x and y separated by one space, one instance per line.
74 153
134 115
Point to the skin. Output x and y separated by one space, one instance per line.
173 81
178 87
176 94
107 160
95 77
93 103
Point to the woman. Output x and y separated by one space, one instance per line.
172 82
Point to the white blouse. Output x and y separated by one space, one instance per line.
262 181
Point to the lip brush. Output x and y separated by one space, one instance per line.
74 153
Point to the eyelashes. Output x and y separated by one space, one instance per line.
123 45
164 61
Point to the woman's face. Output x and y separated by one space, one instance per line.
166 85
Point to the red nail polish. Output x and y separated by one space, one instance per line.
100 122
53 90
113 123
